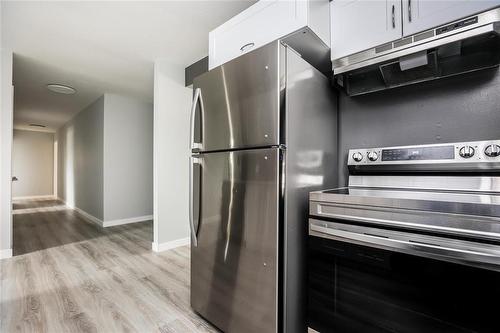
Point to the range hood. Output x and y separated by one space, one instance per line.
462 46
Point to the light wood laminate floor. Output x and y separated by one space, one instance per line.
69 275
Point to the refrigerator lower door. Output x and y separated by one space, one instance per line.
234 265
237 105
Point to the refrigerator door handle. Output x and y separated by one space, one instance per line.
197 97
194 187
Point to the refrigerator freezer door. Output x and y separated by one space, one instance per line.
234 264
236 105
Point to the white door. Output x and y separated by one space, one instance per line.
420 15
358 25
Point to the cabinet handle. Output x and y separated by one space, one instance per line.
409 10
247 46
393 17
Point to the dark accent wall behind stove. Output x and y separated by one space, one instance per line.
461 108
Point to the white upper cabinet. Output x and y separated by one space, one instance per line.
358 25
264 22
420 15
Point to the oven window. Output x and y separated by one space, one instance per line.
359 289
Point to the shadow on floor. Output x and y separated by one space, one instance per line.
43 224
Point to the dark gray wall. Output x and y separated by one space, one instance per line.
462 108
193 70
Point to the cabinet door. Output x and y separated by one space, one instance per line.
260 24
420 15
358 25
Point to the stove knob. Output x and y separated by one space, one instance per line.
492 150
467 152
373 156
358 157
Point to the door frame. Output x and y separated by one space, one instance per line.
7 124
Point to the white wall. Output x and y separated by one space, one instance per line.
105 165
6 123
80 162
128 158
172 102
33 164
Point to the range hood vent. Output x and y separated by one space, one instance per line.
464 46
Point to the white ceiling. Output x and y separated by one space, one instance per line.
99 47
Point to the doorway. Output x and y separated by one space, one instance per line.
33 165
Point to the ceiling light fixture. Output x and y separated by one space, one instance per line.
61 89
37 125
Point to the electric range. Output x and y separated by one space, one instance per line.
412 244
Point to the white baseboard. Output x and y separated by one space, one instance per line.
4 254
88 217
36 197
106 224
160 247
112 223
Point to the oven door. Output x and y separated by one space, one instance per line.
361 281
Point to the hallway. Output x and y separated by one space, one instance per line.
69 275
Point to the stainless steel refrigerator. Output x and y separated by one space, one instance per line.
264 134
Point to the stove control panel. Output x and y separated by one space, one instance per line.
461 152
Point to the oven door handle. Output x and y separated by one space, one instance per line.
487 256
